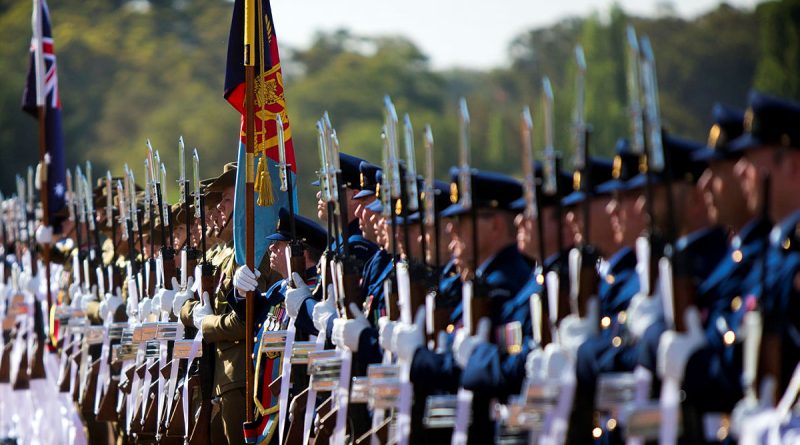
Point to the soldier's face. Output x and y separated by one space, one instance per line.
415 247
225 206
363 216
527 242
179 234
627 222
601 235
723 194
277 257
751 170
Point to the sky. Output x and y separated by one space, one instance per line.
454 33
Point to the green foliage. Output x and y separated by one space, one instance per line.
128 73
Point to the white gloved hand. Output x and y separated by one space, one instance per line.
44 234
550 363
466 344
182 297
643 311
574 330
201 311
295 296
109 305
535 365
750 407
131 309
245 280
162 301
74 291
675 348
33 285
323 311
351 329
337 332
407 339
145 307
77 301
386 333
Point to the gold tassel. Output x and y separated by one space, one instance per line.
263 184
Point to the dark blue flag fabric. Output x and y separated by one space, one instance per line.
54 137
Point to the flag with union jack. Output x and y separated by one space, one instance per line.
41 89
269 102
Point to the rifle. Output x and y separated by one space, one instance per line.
436 318
201 430
542 332
475 306
585 256
21 380
558 295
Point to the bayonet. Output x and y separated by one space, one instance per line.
634 91
580 103
109 200
550 186
526 132
181 173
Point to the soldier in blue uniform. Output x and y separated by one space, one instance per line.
501 273
770 146
314 239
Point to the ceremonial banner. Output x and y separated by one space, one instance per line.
269 101
43 81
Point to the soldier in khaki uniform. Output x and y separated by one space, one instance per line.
222 326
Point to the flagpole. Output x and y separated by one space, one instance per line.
249 72
44 163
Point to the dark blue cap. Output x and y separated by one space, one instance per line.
600 170
368 179
441 201
563 183
351 176
624 167
489 191
680 165
308 231
728 125
769 121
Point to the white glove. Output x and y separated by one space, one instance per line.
323 311
201 311
145 307
407 339
548 363
44 234
535 364
77 301
347 332
675 348
131 309
386 333
643 311
110 305
464 344
295 296
74 291
164 297
750 407
574 330
245 280
182 297
33 285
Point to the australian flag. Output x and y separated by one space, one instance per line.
41 88
269 102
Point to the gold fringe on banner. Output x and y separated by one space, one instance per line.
263 183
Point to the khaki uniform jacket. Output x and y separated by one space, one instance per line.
225 329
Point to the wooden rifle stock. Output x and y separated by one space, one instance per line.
177 422
89 391
352 293
5 362
297 410
201 431
150 414
168 261
22 379
588 280
298 264
151 277
108 404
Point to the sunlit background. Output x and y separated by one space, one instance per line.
131 70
